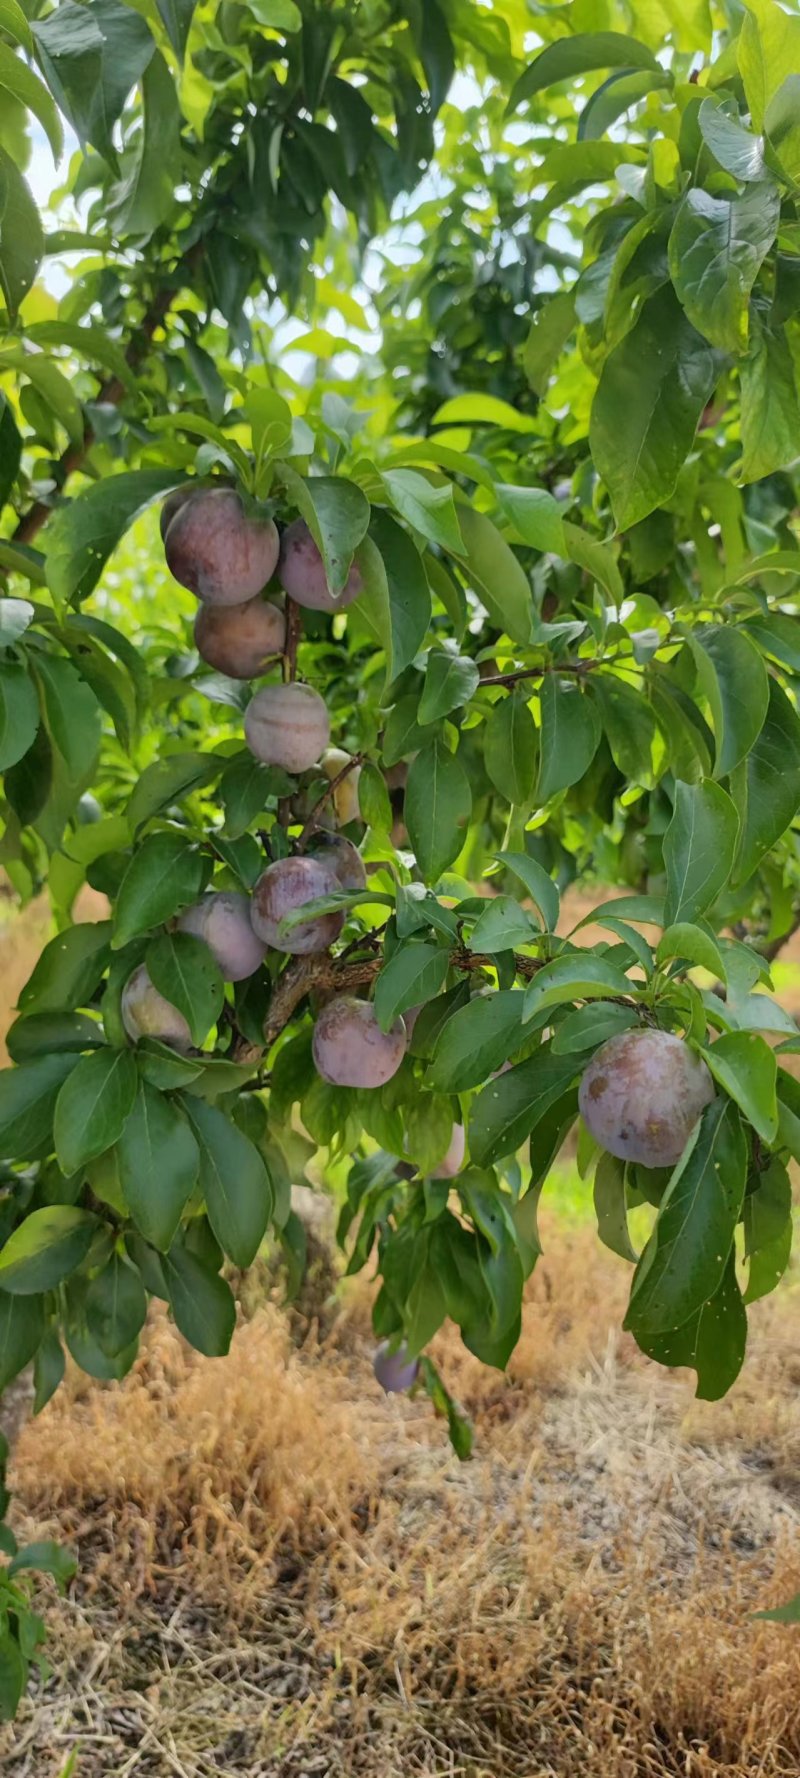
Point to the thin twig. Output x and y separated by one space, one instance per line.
328 792
294 629
576 667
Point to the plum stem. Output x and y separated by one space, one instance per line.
327 793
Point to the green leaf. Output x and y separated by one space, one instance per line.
69 969
72 716
770 409
176 17
481 410
503 925
712 1341
508 1108
590 1026
15 614
49 1366
611 1208
19 713
396 598
616 95
746 1070
167 780
450 682
158 1164
739 152
699 847
716 249
580 54
45 1032
438 804
21 236
684 1261
10 458
201 1302
476 1040
692 945
766 786
510 748
164 876
45 1248
414 974
373 798
93 1106
20 81
769 49
337 513
45 1557
776 636
781 1614
21 1331
146 197
15 24
536 515
496 576
570 735
425 507
183 970
551 327
13 1676
81 535
233 1181
652 391
598 561
734 680
768 1208
91 56
540 886
116 1306
578 977
28 1097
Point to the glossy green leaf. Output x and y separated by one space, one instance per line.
570 735
716 249
770 406
21 1331
337 514
450 681
495 575
540 886
396 598
438 803
81 535
93 1106
476 1040
182 968
21 236
699 848
201 1302
766 786
551 327
580 54
535 515
693 946
503 925
684 1262
45 1248
233 1180
91 56
40 1034
146 196
69 969
580 976
734 680
165 874
116 1305
49 1366
746 1070
508 1108
19 713
736 149
427 507
28 1097
72 716
711 1341
158 1165
19 80
510 748
611 1207
590 1026
413 974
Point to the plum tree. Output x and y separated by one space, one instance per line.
146 1013
394 1369
345 795
217 550
349 1047
222 920
642 1095
240 640
287 725
343 857
282 888
301 572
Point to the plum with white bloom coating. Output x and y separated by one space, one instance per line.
216 550
642 1095
222 920
301 572
395 1371
240 639
287 725
145 1013
286 886
349 1047
343 858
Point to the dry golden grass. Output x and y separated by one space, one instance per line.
285 1573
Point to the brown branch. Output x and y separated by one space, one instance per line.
576 667
327 793
111 392
294 630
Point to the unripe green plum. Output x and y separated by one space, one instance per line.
145 1013
301 572
286 885
343 858
395 1371
173 504
217 551
642 1095
222 920
349 1047
287 725
345 796
453 1161
240 639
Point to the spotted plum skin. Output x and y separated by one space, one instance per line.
240 639
301 572
642 1095
222 921
395 1371
145 1013
287 725
349 1047
343 858
288 884
215 550
452 1162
